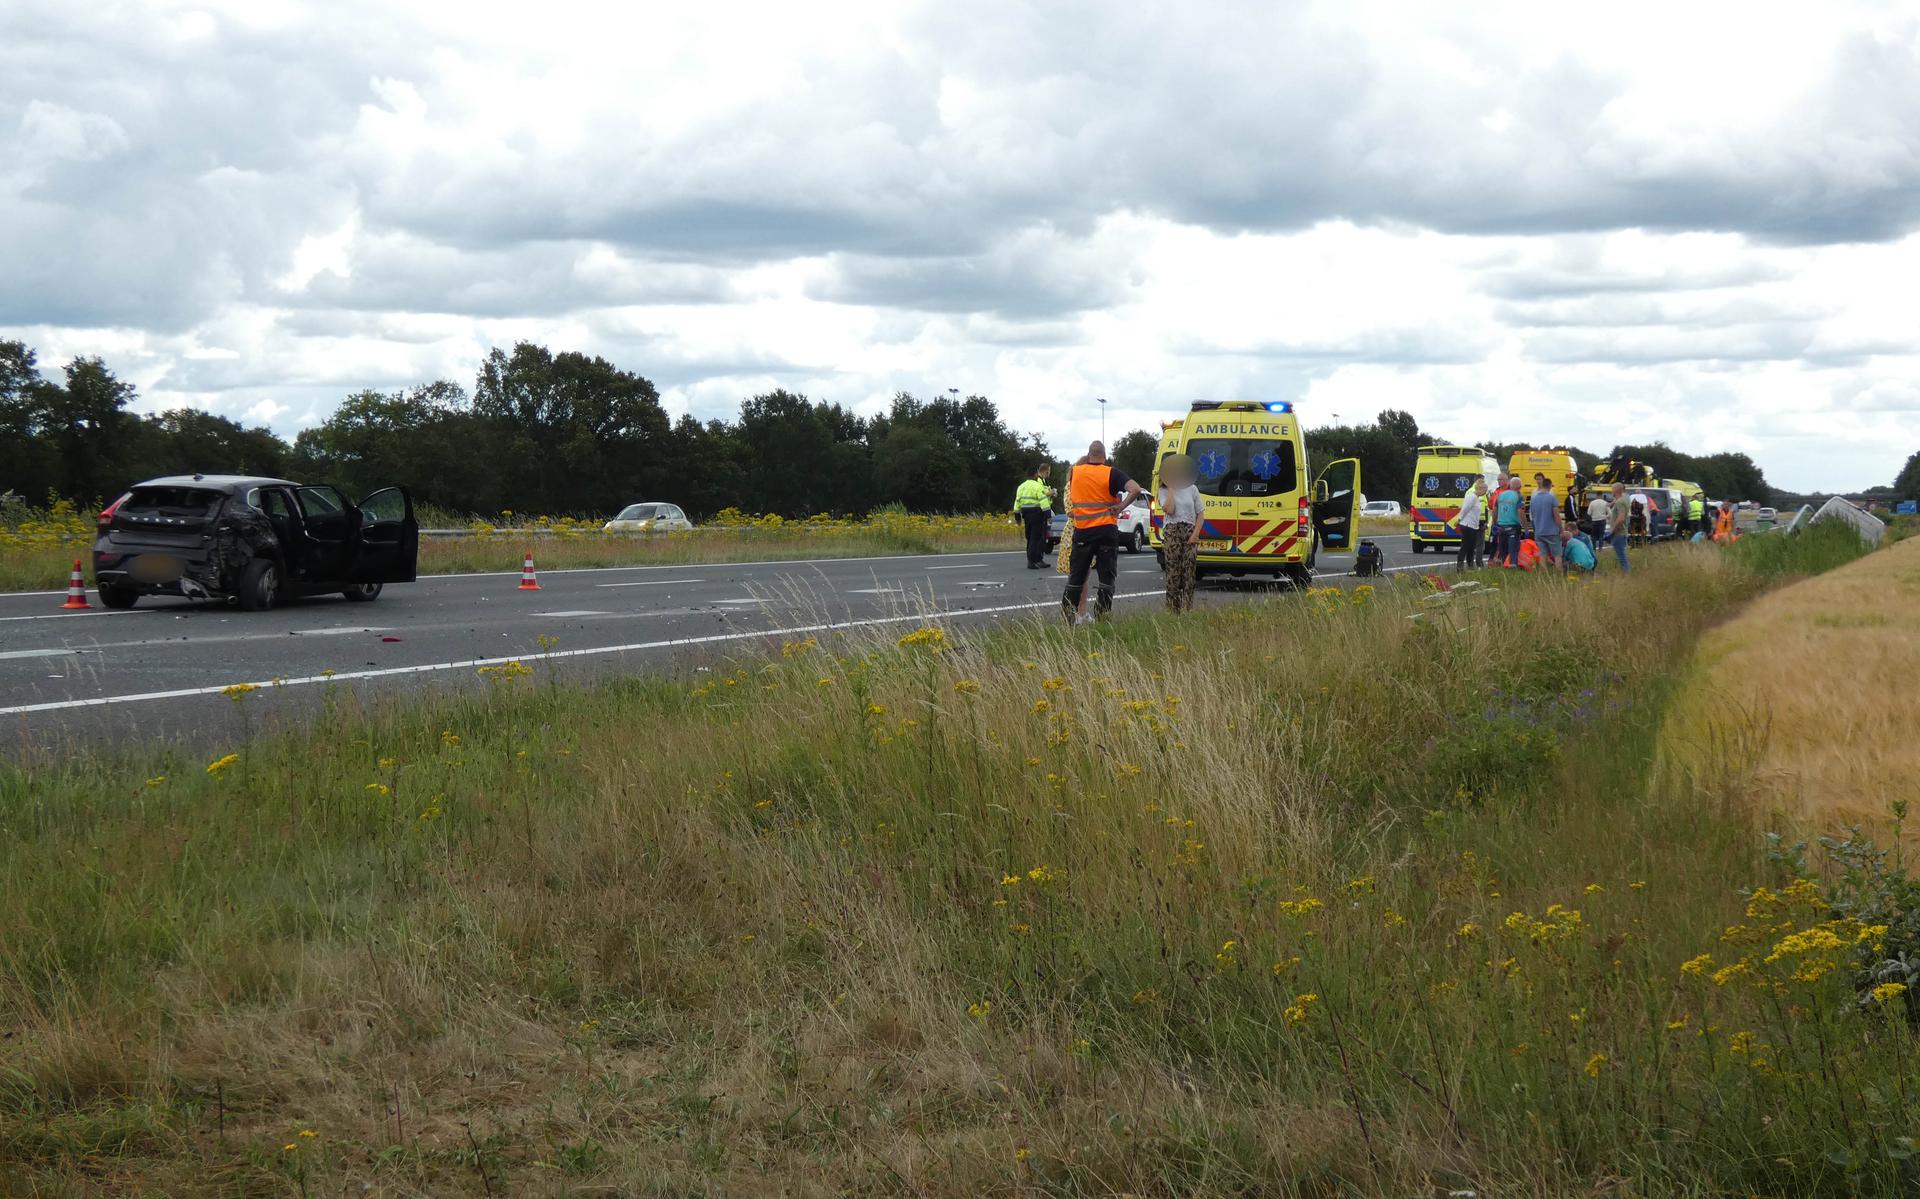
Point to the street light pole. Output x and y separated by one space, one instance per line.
1102 401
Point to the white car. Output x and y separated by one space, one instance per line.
1136 521
648 518
1380 508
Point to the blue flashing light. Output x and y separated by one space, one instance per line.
1280 406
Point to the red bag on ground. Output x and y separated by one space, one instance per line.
1529 554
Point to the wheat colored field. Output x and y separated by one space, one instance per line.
1808 701
1332 894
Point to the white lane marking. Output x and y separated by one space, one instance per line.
332 631
588 570
579 612
349 676
957 566
752 599
96 612
641 583
876 591
60 652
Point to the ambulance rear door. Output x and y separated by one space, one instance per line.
1251 483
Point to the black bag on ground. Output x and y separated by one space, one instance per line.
1367 561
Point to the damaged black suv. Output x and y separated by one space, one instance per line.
251 541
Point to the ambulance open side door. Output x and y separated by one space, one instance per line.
1336 505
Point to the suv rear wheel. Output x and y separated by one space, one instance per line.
259 585
1133 541
119 597
362 593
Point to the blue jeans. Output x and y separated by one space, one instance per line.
1620 549
1506 544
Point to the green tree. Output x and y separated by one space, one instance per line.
580 434
185 440
28 467
85 423
1906 484
1133 454
916 463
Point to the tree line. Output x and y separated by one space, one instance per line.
540 432
546 432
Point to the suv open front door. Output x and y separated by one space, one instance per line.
389 538
1336 505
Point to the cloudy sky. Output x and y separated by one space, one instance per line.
1690 221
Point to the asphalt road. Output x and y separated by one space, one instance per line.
156 672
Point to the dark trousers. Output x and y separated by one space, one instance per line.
1097 549
1036 520
1469 555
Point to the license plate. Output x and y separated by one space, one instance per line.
1215 543
1430 527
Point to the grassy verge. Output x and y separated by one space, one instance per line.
1344 893
38 556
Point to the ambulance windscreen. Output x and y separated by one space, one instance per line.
1444 485
1244 466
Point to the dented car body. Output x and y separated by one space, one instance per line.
252 541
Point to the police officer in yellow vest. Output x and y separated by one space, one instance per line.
1096 496
1696 512
1033 503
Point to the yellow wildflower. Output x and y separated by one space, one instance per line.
928 638
980 1010
239 691
1296 1012
1040 706
1467 931
1594 889
1888 991
1056 683
1285 964
1595 1064
1697 966
966 686
220 765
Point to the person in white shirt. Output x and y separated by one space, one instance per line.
1598 509
1473 514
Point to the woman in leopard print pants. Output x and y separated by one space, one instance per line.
1180 534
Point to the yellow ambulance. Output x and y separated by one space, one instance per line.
1442 474
1261 514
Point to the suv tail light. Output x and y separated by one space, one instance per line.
106 514
1306 511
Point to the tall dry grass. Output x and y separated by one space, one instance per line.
1343 893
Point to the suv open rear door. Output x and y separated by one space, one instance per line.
1336 505
389 548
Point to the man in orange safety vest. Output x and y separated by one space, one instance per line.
1097 493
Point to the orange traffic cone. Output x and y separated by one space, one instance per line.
527 580
76 588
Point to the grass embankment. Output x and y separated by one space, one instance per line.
1296 897
1805 703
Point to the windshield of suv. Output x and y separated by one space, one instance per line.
639 512
1243 466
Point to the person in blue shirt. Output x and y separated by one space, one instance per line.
1544 509
1506 521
